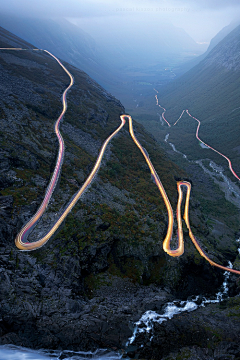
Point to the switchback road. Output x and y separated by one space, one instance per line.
21 239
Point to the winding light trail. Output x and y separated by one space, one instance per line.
37 244
19 241
186 218
167 240
166 243
163 113
23 234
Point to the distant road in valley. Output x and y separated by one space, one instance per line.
197 136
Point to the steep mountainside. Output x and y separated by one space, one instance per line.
66 41
215 40
222 34
105 267
211 92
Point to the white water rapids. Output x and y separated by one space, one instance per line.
145 323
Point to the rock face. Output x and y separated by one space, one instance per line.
226 53
105 266
63 321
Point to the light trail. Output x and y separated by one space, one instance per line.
39 243
163 113
179 117
166 244
21 49
186 218
168 237
218 152
23 234
12 49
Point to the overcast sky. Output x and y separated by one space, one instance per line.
202 19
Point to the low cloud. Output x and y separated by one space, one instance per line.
93 8
201 19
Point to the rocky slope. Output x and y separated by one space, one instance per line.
214 41
105 266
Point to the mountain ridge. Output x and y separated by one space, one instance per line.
214 41
210 92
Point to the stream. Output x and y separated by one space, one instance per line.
232 193
216 172
145 324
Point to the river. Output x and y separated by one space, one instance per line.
12 352
145 324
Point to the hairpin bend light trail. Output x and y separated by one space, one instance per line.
21 238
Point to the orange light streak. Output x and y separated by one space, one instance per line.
192 237
166 242
39 243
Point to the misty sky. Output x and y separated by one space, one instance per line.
202 19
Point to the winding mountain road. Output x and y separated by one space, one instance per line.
21 238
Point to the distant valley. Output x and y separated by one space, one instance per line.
211 93
117 61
